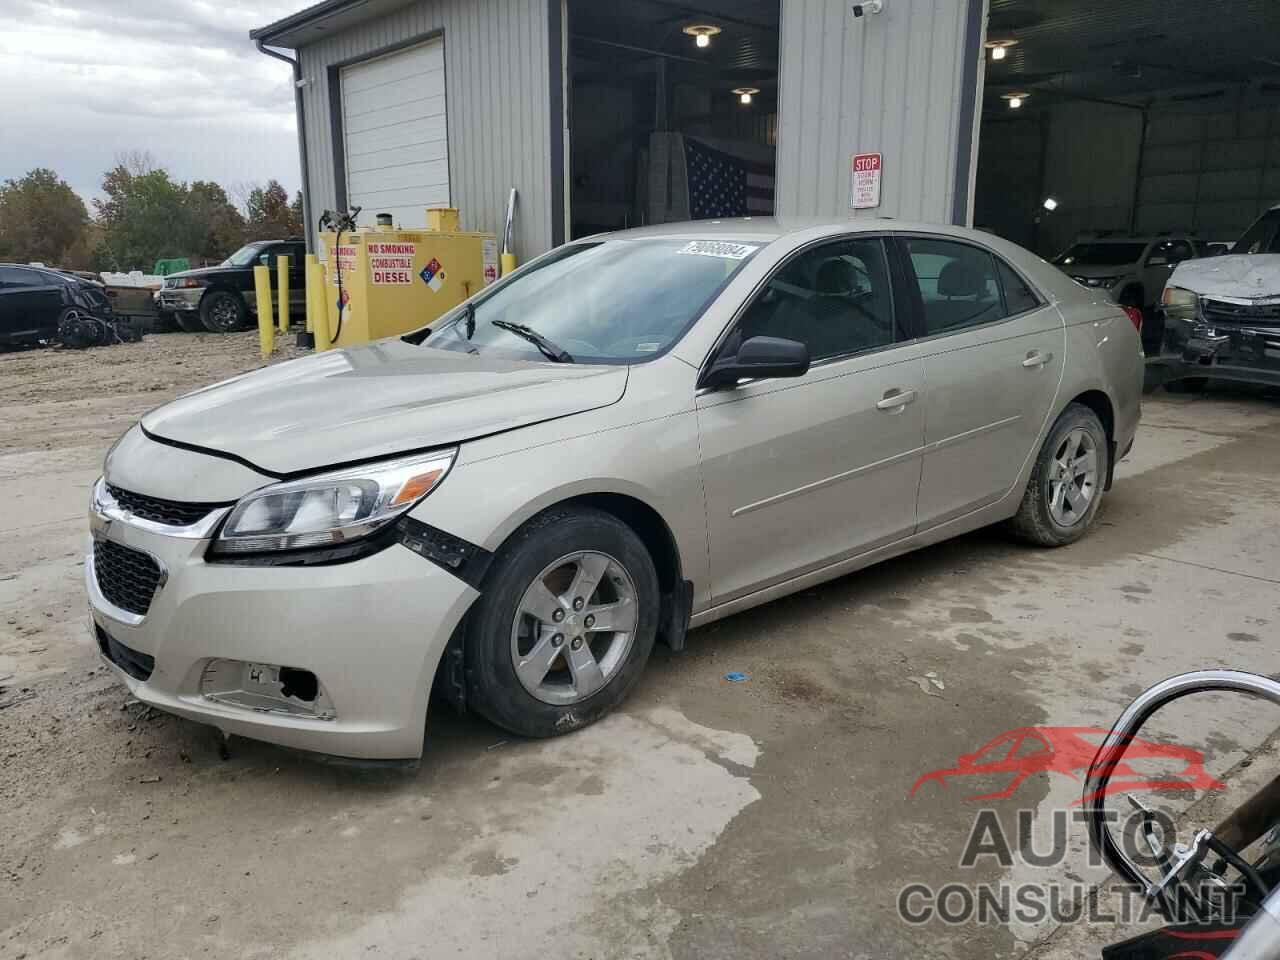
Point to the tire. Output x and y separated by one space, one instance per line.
222 311
1187 385
1042 518
501 631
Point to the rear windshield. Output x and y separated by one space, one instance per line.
610 301
1262 237
1102 254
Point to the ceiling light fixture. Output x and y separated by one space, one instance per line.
1050 204
1000 48
745 93
1015 100
702 33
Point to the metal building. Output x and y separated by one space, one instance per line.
612 113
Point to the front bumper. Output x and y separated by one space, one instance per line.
1225 351
371 630
186 299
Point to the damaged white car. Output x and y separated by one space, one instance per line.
1222 314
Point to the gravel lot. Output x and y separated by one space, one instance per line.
706 819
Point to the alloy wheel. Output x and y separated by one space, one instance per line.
574 627
1073 478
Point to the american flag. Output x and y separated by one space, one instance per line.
722 186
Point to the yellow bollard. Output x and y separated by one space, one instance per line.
282 291
508 263
321 318
262 287
310 262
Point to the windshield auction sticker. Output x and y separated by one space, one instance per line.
392 262
718 249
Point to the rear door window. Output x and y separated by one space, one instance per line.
1019 297
19 277
958 284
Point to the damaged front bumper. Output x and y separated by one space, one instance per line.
1226 339
337 659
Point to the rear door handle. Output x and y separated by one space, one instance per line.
895 400
1037 359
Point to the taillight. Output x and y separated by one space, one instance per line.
1135 316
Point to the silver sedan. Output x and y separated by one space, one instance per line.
632 435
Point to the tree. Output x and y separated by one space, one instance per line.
270 214
41 218
145 216
218 227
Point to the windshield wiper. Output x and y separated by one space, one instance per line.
549 348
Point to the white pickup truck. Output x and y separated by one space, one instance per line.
1222 314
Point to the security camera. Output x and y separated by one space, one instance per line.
868 6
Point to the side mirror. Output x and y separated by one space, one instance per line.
760 357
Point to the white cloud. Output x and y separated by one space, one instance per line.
87 80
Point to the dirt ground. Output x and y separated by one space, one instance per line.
706 819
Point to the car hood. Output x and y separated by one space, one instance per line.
1247 276
376 401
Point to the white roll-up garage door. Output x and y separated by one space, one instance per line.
396 134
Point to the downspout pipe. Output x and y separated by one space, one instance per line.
302 140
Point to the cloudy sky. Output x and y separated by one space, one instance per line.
86 80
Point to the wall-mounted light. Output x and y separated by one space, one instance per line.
745 94
702 33
1000 48
1050 204
1015 100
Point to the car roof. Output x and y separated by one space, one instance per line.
768 229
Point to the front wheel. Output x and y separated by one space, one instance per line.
1065 489
565 626
223 312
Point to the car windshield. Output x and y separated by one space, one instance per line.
244 256
1262 237
611 301
1101 254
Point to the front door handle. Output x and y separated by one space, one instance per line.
1036 359
895 400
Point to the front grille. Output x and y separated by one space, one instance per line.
169 512
128 578
137 665
1219 311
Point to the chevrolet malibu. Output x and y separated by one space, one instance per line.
633 435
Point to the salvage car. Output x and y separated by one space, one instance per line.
632 435
1222 315
221 299
1132 270
41 305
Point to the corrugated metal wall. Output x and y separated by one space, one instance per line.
890 83
497 88
1211 166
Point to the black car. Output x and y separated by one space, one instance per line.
221 299
39 305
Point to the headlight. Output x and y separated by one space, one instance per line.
183 283
1179 304
1101 281
332 508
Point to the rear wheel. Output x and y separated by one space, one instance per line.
222 311
1065 489
565 626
